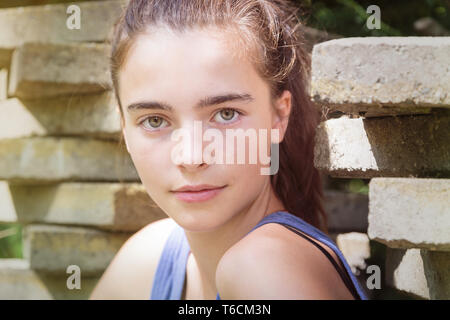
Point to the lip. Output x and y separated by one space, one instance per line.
197 193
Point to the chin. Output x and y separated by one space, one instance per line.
199 220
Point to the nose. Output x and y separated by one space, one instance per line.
192 167
187 153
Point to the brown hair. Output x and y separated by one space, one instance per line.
274 29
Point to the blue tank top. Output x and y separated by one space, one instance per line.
170 273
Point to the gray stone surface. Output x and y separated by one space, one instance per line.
19 282
93 115
3 84
404 146
369 75
422 273
51 249
45 160
43 70
112 206
355 247
410 213
47 24
7 208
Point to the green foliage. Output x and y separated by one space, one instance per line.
358 186
348 17
349 185
10 241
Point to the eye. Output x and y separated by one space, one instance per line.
227 114
154 122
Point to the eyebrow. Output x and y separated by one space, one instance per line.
206 102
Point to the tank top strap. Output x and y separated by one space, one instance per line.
287 218
170 274
171 270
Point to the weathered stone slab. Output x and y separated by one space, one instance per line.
368 75
94 115
50 159
43 70
5 58
7 208
346 211
403 146
19 282
113 206
410 213
3 84
355 246
419 272
48 24
51 248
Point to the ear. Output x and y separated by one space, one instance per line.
283 106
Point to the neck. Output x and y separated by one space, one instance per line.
207 248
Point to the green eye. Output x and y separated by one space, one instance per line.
227 115
154 122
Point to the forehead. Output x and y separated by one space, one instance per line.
193 63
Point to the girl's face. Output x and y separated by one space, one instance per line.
177 71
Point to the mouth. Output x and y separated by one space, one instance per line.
197 193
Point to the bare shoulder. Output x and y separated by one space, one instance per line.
273 262
130 273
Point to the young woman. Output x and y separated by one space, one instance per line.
232 232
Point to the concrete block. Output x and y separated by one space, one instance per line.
3 84
422 273
43 70
51 249
410 213
93 115
374 76
8 212
5 58
355 247
19 282
46 160
406 146
112 206
48 24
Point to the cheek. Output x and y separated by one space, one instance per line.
151 158
246 179
246 186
